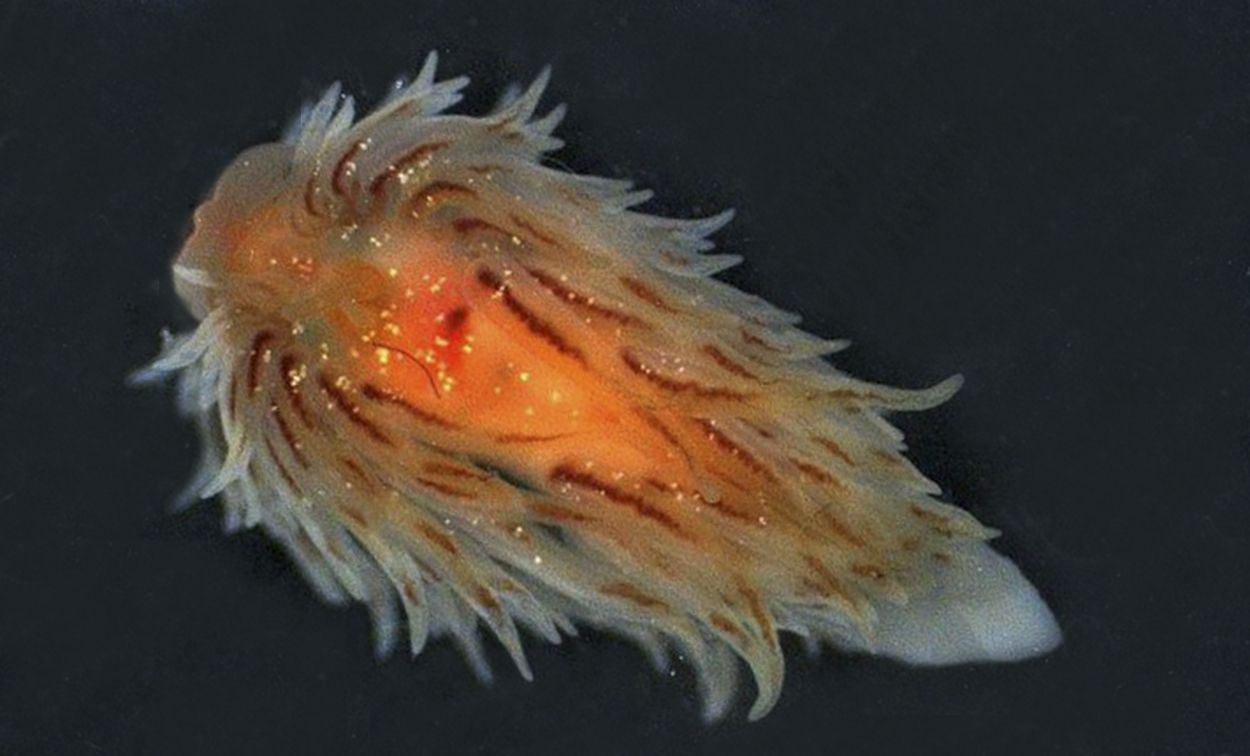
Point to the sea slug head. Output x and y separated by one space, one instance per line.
274 243
299 228
241 247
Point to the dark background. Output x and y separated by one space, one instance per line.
1048 197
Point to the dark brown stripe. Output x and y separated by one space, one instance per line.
855 396
472 225
438 537
762 431
455 471
375 394
659 485
834 449
645 293
412 156
410 593
310 190
658 426
674 259
887 458
756 341
536 325
573 297
725 478
487 599
815 472
722 623
340 167
446 490
840 529
568 474
528 438
288 435
757 611
351 410
358 471
726 363
533 231
730 447
935 521
676 386
435 188
830 580
277 461
354 516
631 593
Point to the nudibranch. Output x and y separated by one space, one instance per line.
456 382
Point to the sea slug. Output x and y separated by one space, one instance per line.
454 381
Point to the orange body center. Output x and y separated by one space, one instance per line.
415 315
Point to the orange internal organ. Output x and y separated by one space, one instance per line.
450 337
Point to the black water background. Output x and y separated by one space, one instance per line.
1050 198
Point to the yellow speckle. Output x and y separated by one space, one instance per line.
524 376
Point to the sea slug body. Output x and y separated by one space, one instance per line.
465 388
